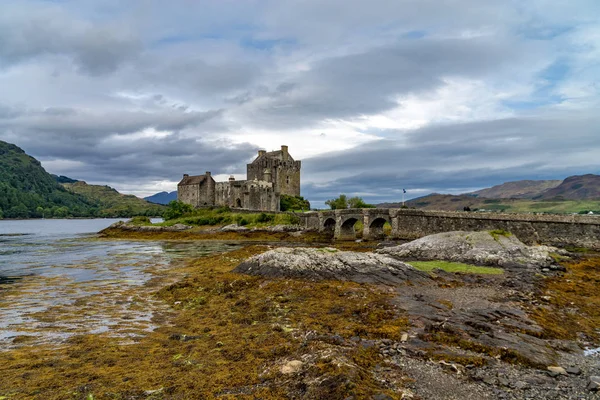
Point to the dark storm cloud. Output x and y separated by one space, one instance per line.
29 33
71 123
143 160
106 146
198 75
462 156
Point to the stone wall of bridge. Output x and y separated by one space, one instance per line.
558 230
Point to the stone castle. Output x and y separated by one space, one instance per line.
269 176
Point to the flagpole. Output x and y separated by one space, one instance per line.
403 191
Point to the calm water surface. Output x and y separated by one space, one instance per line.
57 279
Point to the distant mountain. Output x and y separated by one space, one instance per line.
112 202
63 179
576 194
436 201
162 197
578 187
28 191
527 189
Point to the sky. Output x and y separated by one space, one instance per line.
373 96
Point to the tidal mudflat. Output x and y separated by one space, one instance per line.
60 281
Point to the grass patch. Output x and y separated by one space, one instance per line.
449 266
225 216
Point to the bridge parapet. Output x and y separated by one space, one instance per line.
558 230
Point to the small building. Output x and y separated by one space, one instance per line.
269 176
197 190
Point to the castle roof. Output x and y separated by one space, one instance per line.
192 180
278 155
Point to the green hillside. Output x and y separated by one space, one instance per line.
28 191
112 202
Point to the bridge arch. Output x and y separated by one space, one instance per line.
375 227
329 225
346 227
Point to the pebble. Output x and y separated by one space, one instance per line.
292 367
594 383
573 371
557 370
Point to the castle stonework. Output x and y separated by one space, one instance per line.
269 176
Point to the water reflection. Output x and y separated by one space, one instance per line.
61 281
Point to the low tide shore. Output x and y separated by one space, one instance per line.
221 334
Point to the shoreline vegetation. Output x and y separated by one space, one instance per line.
472 332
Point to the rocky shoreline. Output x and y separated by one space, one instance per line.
470 337
324 323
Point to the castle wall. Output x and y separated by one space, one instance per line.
251 195
189 194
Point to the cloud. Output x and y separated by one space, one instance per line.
374 96
28 33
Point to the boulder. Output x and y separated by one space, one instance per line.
480 248
234 228
148 228
594 383
283 228
329 263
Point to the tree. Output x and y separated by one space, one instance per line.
289 203
176 209
339 203
358 202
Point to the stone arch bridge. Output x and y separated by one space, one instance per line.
557 230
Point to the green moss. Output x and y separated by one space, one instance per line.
496 233
448 266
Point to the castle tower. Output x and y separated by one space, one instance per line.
280 168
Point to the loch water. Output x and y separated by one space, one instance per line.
58 279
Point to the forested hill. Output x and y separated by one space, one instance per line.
112 202
28 191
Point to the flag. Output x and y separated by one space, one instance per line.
403 190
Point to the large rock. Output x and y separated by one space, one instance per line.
480 248
329 263
126 226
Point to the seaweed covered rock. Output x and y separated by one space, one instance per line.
127 226
329 263
480 248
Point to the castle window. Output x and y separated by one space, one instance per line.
287 180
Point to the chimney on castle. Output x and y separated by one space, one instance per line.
262 152
284 152
207 173
185 175
267 175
